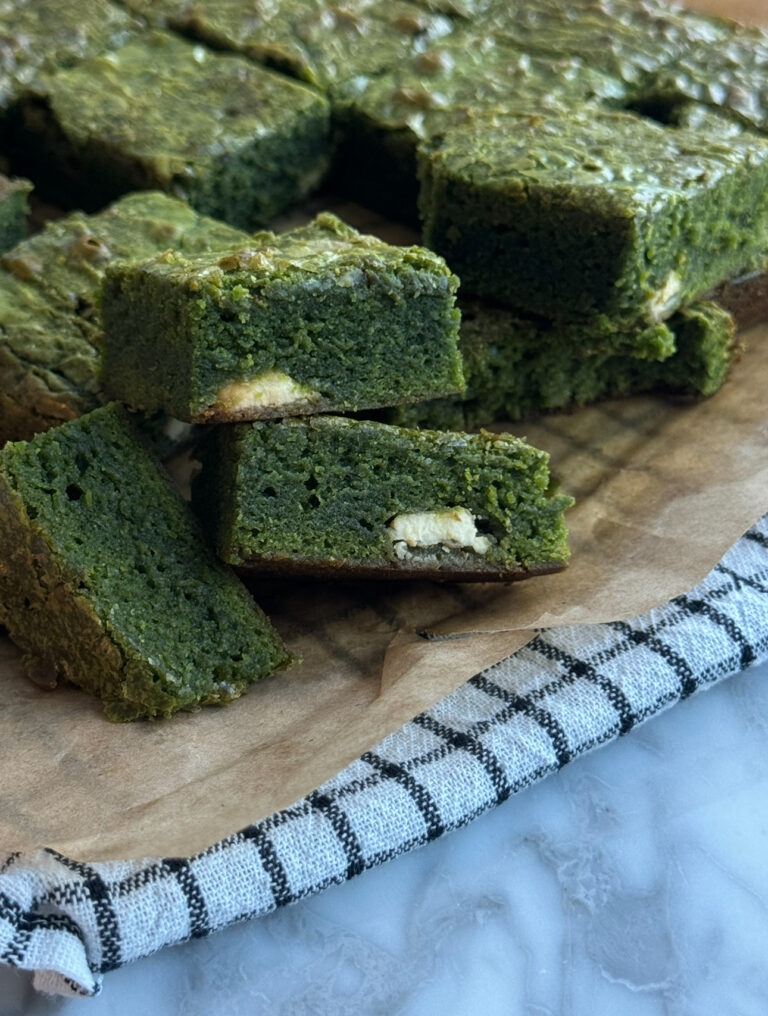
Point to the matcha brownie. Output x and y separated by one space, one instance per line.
730 78
13 211
325 44
382 123
46 35
237 141
593 213
50 322
628 39
519 366
47 365
340 497
321 318
106 580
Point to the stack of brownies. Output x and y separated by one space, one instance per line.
590 170
102 582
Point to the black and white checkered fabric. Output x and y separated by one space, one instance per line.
568 691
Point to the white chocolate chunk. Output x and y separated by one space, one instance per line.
665 300
453 528
269 390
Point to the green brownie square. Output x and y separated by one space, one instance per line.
47 35
627 39
328 45
50 321
107 582
593 213
319 319
68 257
236 141
47 365
518 366
383 122
352 498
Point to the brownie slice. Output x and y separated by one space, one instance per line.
47 365
46 35
628 39
729 77
384 120
107 582
321 318
235 140
519 366
328 45
599 213
347 498
13 211
50 322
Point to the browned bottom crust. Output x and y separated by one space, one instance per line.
343 570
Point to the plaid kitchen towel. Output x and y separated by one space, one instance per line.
566 692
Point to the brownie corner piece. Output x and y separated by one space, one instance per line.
50 322
593 213
107 582
40 36
335 497
318 319
237 141
328 45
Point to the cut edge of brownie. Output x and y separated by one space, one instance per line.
110 617
343 498
322 318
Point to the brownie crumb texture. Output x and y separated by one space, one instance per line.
107 582
341 496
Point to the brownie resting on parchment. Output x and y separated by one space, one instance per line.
106 580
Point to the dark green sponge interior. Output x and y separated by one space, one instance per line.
327 488
122 540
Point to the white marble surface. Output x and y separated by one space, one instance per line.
634 882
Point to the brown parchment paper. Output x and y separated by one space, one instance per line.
663 490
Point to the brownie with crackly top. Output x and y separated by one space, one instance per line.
319 319
235 140
328 45
50 321
584 214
